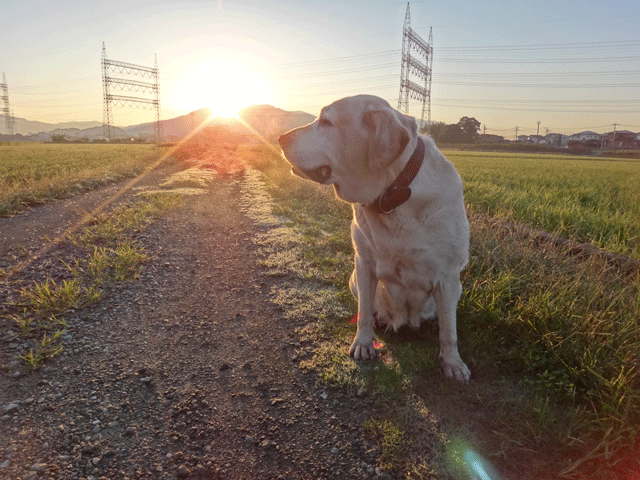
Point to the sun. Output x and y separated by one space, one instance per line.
223 88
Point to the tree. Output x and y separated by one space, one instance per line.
434 129
452 134
470 127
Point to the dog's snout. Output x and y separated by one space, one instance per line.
285 138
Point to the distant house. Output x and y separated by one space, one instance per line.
620 139
585 136
557 139
523 138
539 139
488 138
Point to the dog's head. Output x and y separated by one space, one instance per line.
353 145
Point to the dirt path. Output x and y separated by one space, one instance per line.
189 372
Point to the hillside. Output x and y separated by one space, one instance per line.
271 122
28 127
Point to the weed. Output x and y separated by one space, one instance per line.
48 347
49 298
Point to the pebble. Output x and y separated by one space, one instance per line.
362 391
11 407
183 471
335 450
249 440
146 379
39 467
5 464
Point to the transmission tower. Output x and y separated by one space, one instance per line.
4 98
412 42
151 89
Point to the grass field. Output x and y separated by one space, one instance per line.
34 173
553 341
590 200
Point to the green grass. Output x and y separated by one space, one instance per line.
590 200
35 173
553 341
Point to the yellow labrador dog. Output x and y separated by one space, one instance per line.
410 231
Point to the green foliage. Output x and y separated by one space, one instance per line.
470 126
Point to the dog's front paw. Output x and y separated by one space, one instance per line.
454 368
362 350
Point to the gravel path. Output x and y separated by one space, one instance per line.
188 372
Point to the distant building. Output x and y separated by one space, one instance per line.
488 138
523 138
621 139
557 139
585 136
539 139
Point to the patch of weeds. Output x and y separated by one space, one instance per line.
51 298
48 347
45 331
391 440
110 265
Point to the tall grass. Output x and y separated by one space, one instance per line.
553 341
595 201
33 173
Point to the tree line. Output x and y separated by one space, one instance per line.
465 131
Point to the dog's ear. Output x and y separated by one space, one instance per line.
389 133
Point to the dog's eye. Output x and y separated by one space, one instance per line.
323 122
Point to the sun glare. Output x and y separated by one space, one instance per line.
224 89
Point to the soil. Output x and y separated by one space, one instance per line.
190 371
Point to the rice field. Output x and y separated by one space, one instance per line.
34 173
591 200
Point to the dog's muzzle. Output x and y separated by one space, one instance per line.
320 174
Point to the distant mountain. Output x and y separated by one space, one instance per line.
172 129
268 121
271 122
71 134
26 127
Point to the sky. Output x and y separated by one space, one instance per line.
570 65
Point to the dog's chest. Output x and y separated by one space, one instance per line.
401 256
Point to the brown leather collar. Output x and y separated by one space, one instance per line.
399 191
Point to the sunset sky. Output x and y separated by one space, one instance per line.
572 65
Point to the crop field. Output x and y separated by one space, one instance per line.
34 173
591 200
552 340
